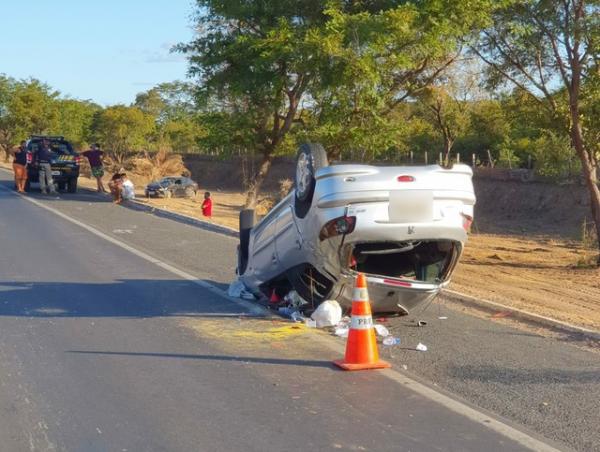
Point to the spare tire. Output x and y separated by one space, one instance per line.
310 158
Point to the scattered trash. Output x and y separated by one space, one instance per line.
286 311
405 367
297 317
381 330
310 323
245 295
293 299
274 299
342 331
391 340
421 323
443 317
235 288
328 313
421 347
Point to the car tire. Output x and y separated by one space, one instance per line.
190 192
247 221
310 158
72 185
61 185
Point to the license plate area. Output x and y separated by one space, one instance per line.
56 173
410 206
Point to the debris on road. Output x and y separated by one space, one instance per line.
342 331
443 317
421 323
391 340
421 347
381 330
328 313
235 288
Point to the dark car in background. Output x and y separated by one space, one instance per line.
172 187
65 162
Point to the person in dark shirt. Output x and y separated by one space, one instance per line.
44 157
20 167
94 156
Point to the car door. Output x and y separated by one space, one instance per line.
178 188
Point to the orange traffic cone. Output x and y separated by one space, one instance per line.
361 347
274 297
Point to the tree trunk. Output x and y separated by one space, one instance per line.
589 170
258 179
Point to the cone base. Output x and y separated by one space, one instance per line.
364 366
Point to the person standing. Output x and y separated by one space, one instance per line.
94 156
44 158
207 205
20 167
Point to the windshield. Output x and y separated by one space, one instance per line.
165 181
58 147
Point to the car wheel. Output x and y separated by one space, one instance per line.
72 185
61 185
247 221
190 192
310 157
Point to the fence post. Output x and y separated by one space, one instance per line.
411 157
425 157
474 160
457 157
441 157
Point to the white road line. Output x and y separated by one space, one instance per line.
446 401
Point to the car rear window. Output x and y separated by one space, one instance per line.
59 147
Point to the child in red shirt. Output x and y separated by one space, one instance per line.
207 205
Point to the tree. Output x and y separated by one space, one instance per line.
544 47
74 120
256 59
29 107
121 130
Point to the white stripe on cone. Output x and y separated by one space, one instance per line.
360 294
361 322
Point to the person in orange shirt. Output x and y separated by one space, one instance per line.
20 167
207 205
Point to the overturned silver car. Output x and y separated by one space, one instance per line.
404 227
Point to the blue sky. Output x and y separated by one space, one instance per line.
103 50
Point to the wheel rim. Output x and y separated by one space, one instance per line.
303 174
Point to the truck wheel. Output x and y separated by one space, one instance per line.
310 157
247 221
72 185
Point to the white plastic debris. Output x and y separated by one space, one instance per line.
421 347
443 317
310 323
328 313
342 331
391 340
293 299
235 288
381 330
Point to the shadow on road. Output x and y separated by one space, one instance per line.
137 298
242 359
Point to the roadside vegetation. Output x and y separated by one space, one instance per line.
511 84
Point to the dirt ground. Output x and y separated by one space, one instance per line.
525 250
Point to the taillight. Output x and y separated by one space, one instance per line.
405 178
467 222
77 160
339 226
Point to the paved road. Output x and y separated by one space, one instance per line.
136 358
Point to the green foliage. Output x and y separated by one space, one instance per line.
122 130
74 120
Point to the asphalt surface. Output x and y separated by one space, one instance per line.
103 350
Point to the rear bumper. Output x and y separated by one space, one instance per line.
389 297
